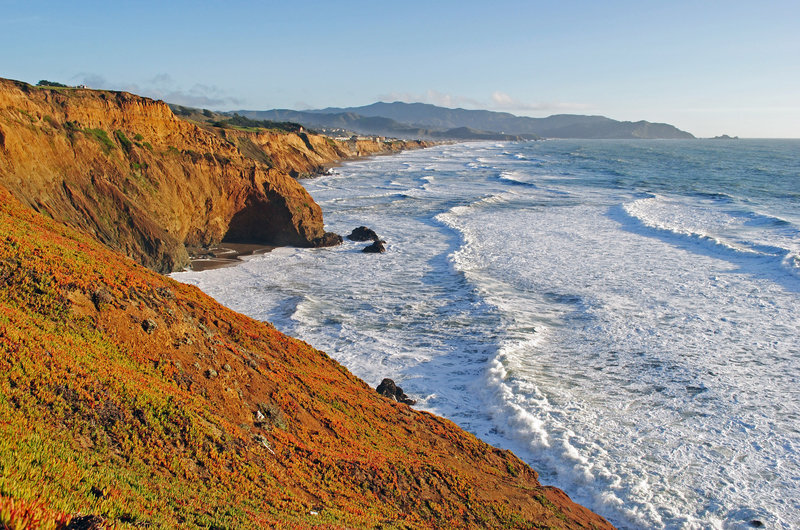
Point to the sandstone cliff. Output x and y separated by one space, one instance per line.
124 169
303 154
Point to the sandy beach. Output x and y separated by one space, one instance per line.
224 255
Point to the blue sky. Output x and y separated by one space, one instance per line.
705 66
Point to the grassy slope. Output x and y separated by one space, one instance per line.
98 416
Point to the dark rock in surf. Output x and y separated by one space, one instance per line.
375 248
328 240
389 389
362 233
403 398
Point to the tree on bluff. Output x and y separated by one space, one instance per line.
45 82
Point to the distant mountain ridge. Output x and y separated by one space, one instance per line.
423 120
377 125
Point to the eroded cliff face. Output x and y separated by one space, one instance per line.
304 154
124 169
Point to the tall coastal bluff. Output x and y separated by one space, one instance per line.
124 169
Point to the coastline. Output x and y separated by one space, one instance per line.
104 355
146 388
408 145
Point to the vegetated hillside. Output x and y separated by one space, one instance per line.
224 120
124 169
423 115
379 126
300 154
129 398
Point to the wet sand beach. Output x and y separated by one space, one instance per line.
224 255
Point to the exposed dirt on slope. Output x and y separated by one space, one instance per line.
302 154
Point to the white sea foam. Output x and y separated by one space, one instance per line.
604 317
791 262
739 236
640 351
515 178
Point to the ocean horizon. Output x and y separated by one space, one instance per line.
622 314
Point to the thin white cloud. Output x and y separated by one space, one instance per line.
91 80
162 79
502 101
433 97
498 101
162 86
741 109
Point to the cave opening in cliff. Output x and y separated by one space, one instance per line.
260 222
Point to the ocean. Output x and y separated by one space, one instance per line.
623 315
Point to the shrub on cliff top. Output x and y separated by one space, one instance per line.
242 122
45 82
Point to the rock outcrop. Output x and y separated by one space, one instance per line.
376 248
362 233
389 389
125 170
328 239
